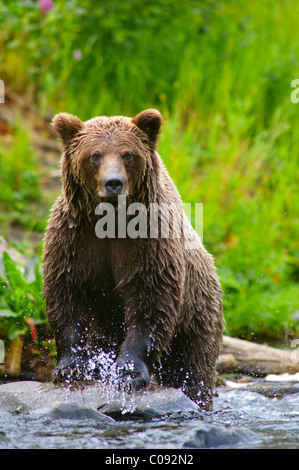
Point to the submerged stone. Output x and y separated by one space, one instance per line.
71 410
213 436
151 402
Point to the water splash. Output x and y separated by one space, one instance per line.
112 388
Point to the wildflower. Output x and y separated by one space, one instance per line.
45 6
78 54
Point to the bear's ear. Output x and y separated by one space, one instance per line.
67 126
149 122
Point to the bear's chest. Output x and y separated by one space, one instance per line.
107 262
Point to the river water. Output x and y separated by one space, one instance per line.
274 421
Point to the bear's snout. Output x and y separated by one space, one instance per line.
113 185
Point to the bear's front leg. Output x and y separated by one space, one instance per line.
151 291
73 355
134 360
151 317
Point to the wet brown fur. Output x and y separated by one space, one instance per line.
147 298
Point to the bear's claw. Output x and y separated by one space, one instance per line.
132 376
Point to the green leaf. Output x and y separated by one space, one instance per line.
8 313
16 330
12 273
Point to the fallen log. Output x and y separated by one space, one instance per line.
13 360
254 359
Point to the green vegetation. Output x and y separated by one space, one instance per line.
21 299
20 182
220 72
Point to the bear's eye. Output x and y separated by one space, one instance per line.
96 156
127 156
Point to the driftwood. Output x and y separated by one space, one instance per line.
13 361
255 359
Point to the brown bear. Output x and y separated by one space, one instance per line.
154 300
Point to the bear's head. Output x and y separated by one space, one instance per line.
107 156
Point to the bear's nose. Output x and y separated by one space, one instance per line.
114 184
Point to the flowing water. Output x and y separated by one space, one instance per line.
274 421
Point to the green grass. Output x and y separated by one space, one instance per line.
220 72
20 173
250 222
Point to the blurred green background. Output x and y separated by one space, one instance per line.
220 72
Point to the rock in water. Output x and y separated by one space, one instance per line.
212 436
78 400
71 410
153 401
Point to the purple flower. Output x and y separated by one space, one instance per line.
45 6
78 54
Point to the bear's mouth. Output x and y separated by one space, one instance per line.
112 198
